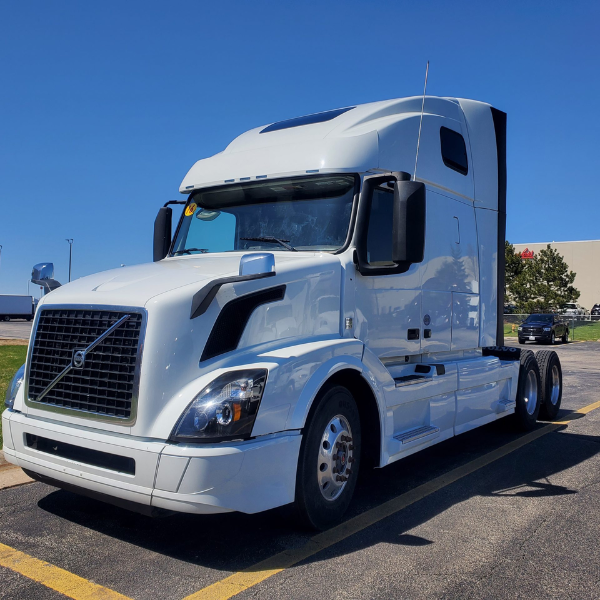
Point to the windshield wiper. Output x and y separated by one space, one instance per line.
273 240
190 250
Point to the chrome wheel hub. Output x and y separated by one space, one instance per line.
336 455
555 392
531 392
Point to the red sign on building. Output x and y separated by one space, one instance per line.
527 253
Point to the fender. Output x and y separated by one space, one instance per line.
326 370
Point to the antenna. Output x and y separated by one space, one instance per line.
421 121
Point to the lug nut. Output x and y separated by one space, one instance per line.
350 459
334 470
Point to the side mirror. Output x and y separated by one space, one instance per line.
42 274
162 233
258 263
408 228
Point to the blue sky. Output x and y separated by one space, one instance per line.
104 106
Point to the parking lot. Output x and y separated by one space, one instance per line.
489 514
15 330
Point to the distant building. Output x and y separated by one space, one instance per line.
583 258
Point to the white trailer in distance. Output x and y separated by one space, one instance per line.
321 307
13 306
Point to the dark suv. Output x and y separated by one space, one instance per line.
595 310
543 328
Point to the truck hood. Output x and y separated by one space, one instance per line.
137 285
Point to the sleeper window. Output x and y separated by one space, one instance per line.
454 151
379 236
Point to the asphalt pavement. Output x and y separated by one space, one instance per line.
15 330
489 514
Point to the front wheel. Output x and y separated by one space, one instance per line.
6 318
329 459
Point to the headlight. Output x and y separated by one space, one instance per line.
224 409
520 328
13 388
547 328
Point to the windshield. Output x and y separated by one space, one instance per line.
539 319
305 213
565 306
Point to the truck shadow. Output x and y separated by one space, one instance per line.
234 541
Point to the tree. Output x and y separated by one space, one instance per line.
514 267
540 284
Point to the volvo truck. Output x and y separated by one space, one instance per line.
323 305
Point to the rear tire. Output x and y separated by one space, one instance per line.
528 392
6 318
551 379
565 337
331 449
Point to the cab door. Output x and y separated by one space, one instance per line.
388 302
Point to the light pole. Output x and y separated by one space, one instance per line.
70 240
0 254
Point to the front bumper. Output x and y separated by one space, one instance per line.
546 336
249 476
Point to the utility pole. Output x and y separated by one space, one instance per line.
70 240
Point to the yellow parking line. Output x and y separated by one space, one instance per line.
55 578
242 580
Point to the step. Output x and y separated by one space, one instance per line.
504 405
417 434
410 380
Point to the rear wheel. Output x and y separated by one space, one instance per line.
329 459
528 392
551 380
565 337
6 318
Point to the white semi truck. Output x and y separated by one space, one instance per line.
320 307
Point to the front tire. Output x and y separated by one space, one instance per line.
528 392
521 341
329 459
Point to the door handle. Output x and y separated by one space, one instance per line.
457 230
413 334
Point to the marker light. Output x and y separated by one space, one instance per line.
224 409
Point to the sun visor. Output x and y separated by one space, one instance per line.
344 154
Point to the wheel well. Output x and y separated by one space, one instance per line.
368 410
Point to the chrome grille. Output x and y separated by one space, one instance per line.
106 383
532 330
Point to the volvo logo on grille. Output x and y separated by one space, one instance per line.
79 359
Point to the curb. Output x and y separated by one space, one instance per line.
10 475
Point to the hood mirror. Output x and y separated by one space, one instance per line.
258 263
42 274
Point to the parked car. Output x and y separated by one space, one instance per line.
595 310
572 310
510 309
543 328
